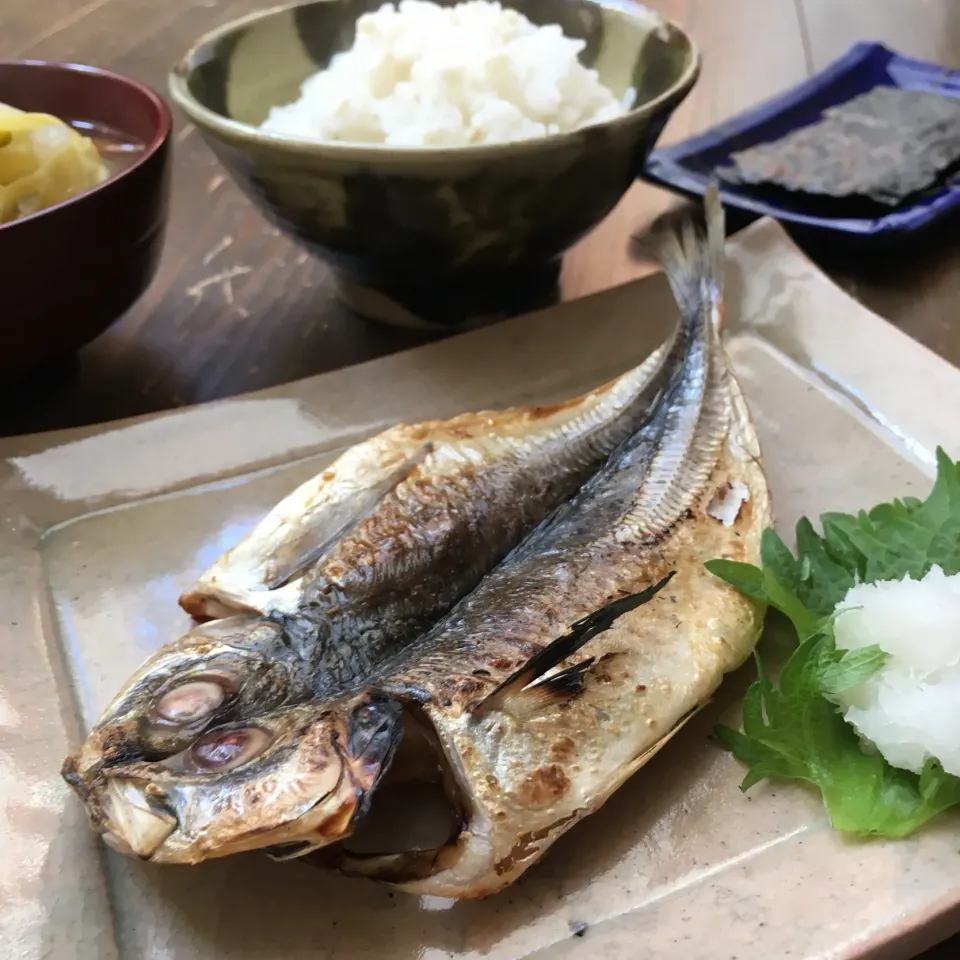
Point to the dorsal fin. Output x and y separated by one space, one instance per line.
555 652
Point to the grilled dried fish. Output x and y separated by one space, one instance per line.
351 566
567 668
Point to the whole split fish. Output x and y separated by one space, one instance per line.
339 576
452 763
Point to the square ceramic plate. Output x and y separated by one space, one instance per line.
688 166
103 526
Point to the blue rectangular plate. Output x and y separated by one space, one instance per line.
687 167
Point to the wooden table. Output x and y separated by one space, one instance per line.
237 307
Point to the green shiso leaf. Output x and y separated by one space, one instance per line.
791 728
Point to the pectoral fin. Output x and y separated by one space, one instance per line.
324 528
259 574
521 686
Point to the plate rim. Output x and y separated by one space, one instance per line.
765 242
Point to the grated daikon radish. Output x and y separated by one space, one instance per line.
910 708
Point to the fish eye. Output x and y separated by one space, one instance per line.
190 701
221 750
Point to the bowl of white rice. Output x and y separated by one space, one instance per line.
441 157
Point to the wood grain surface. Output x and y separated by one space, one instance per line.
237 307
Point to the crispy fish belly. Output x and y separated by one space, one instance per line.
329 586
538 732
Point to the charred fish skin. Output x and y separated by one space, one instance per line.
528 751
549 753
363 522
455 497
569 666
342 573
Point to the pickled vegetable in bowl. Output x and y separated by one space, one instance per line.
43 161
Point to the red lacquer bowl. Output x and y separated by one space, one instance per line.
68 272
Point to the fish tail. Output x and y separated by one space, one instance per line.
716 236
693 261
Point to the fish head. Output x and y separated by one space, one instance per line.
289 781
221 671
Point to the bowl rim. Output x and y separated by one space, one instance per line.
150 148
235 130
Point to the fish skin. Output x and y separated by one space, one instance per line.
529 768
354 564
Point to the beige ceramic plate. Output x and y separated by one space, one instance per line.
102 527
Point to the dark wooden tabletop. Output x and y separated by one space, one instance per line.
237 307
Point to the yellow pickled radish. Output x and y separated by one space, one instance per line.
18 121
43 161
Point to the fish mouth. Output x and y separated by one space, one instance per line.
412 821
138 827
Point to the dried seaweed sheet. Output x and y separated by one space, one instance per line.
886 144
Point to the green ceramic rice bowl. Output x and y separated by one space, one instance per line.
432 236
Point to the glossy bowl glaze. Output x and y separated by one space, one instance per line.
69 271
442 237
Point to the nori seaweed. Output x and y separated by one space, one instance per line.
887 144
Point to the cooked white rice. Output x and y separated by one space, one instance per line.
423 75
910 709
